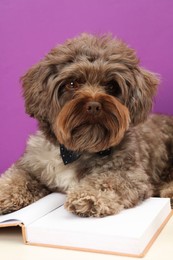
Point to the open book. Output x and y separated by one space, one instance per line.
131 232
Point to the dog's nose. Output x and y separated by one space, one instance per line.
93 107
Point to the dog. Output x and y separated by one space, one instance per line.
97 141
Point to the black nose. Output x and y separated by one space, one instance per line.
93 107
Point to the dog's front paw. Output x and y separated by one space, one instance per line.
18 189
8 204
92 203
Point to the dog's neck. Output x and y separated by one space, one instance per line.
69 156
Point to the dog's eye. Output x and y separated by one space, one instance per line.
113 88
67 87
72 85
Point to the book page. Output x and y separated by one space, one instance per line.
35 210
128 232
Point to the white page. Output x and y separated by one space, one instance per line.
35 210
128 232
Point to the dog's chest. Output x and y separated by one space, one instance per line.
65 179
44 161
57 175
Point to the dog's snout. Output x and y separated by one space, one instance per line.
93 107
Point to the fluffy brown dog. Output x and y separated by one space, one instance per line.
96 141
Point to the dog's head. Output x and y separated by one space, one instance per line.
86 93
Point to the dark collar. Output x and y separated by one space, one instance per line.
69 156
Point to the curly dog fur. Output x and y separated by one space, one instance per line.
91 96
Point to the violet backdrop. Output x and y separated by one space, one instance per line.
30 28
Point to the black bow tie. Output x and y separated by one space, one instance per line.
69 156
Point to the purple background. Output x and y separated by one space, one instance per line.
30 28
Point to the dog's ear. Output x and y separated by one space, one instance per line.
141 95
35 91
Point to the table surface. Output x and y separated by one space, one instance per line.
12 247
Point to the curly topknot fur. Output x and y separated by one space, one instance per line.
91 95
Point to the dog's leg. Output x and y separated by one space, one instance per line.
108 193
18 189
90 202
166 191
